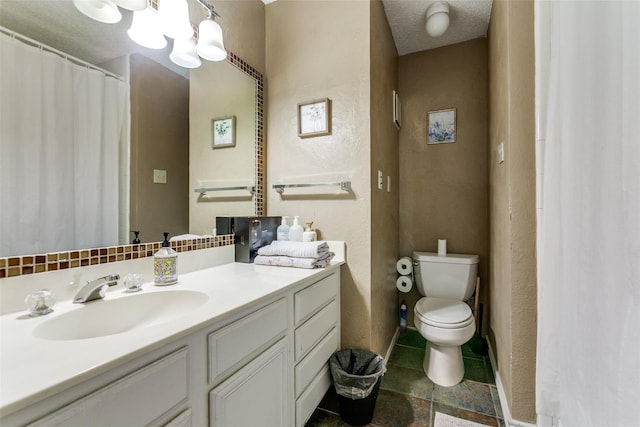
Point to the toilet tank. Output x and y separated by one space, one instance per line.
450 276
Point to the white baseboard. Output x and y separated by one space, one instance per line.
506 413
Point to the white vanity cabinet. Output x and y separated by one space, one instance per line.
316 337
264 363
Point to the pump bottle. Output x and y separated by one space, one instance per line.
283 230
295 231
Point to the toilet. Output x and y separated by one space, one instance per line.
442 316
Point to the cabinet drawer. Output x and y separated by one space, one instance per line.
307 403
309 300
238 343
117 403
306 370
312 331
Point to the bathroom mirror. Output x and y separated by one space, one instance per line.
59 25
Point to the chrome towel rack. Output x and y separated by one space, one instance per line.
203 191
344 186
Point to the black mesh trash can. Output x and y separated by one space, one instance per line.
356 376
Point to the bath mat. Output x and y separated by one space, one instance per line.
444 420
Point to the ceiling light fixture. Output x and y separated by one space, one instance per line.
437 18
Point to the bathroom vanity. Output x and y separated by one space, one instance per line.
250 347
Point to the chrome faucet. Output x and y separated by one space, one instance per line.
95 289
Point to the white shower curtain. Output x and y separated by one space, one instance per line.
60 130
588 355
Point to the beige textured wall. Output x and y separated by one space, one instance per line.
444 188
217 90
318 49
243 26
159 140
512 202
384 205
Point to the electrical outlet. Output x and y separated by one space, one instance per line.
159 176
379 180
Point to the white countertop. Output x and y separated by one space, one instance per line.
33 368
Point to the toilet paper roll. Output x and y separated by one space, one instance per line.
404 266
404 283
442 247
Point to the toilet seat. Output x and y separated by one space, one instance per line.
443 313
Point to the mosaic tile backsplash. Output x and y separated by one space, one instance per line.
40 263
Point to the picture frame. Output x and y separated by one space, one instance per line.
397 110
441 126
223 131
314 118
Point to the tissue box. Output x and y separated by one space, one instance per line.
252 233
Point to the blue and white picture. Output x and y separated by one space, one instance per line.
442 127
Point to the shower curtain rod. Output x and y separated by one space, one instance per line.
66 56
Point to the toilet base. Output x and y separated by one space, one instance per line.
443 364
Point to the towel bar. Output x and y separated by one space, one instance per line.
344 186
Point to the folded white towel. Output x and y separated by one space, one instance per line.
286 261
295 249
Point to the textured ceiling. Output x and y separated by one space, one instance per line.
407 18
58 24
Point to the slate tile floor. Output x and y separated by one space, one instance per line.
408 398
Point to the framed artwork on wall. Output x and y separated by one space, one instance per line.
224 132
314 118
441 126
397 110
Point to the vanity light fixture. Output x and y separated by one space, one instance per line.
184 53
171 18
437 18
174 18
145 29
101 10
210 44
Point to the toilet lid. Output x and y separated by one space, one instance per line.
443 312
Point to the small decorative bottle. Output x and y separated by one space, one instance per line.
309 234
165 264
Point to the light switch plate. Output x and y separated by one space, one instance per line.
159 176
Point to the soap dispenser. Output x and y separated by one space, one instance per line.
295 231
165 264
283 230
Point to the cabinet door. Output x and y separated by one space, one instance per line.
256 395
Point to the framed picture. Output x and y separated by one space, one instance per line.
441 126
314 118
224 132
397 111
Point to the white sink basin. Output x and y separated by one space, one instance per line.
113 316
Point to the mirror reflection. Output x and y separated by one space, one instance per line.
164 148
